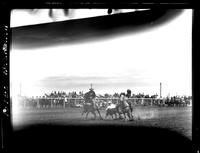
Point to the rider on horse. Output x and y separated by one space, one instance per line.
89 96
120 104
128 95
90 105
124 104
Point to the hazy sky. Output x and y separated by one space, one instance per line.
136 61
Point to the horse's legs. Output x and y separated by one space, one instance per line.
129 114
99 113
124 115
132 115
106 115
131 111
120 116
93 112
83 113
115 115
86 115
119 113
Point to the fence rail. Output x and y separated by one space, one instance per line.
77 102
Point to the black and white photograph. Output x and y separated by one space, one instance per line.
85 67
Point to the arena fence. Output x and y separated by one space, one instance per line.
77 102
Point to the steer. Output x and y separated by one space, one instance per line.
111 110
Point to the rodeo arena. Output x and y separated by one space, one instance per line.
59 107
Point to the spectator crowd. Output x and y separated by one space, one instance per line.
74 99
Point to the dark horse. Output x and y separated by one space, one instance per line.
124 109
91 108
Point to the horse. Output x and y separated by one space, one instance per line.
91 108
125 109
131 107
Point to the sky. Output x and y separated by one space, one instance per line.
136 61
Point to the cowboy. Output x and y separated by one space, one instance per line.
128 95
89 96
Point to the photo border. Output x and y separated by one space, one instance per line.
6 125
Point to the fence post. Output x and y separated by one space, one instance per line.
163 102
24 103
151 101
51 103
75 101
63 103
38 105
142 103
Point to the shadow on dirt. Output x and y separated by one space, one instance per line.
110 137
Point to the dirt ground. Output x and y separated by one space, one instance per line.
173 118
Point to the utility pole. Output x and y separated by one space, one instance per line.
20 86
160 90
91 85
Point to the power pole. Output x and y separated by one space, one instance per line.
91 86
160 90
20 86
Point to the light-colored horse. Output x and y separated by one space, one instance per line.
124 108
91 108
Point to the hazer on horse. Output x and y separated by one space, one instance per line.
124 107
128 95
89 96
89 105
